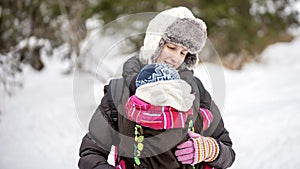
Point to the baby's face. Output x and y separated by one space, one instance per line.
172 55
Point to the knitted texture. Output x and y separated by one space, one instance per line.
206 149
160 85
155 117
207 118
156 72
197 149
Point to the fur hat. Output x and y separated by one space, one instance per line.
160 85
176 25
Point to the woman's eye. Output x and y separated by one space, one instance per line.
183 53
171 47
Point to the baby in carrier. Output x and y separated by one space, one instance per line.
161 105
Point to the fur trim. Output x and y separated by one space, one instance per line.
190 33
171 26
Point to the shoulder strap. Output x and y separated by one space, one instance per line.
116 90
207 102
205 98
197 116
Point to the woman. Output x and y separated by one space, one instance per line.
173 37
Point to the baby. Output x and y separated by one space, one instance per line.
162 102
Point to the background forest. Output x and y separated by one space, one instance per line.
239 30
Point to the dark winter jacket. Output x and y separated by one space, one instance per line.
103 129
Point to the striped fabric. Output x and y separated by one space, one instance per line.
207 118
155 117
206 149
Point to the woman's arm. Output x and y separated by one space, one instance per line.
97 142
92 156
227 155
217 130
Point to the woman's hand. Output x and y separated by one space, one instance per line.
197 149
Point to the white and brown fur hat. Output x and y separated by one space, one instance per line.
177 25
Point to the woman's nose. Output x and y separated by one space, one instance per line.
175 55
174 58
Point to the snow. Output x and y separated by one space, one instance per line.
40 126
262 110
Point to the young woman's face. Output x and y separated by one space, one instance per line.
172 55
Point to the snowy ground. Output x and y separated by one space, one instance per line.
39 126
262 110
